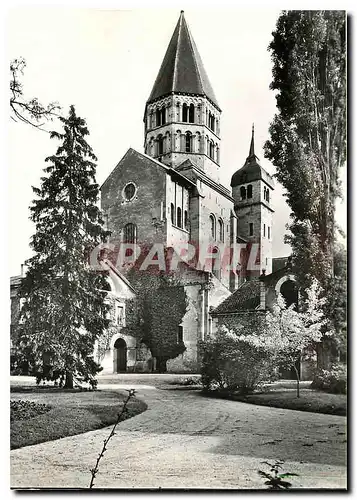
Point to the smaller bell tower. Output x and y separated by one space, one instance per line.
252 189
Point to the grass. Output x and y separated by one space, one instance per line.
309 400
72 412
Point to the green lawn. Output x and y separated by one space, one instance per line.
309 400
71 412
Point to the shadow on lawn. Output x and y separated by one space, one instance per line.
72 412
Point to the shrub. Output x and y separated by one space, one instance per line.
333 380
233 365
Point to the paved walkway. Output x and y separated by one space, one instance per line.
185 440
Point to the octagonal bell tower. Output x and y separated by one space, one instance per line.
182 116
252 189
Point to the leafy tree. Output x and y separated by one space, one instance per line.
29 111
64 309
287 333
154 315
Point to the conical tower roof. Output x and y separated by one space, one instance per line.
182 69
251 170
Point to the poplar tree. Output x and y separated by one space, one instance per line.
64 310
308 134
308 140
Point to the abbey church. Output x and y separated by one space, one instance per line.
170 195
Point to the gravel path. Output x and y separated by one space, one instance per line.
185 440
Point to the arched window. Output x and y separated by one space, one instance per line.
179 217
130 233
216 264
185 220
184 112
267 195
188 142
249 191
211 121
211 149
212 226
221 230
163 116
160 145
158 118
243 193
191 115
172 213
217 154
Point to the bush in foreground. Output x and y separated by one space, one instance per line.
333 380
232 365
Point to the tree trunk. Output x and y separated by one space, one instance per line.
69 381
297 381
161 364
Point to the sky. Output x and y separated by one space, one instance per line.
105 63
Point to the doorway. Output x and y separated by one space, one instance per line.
120 356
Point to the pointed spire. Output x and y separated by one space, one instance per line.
182 69
252 156
251 150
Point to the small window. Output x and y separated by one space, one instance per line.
160 145
243 193
250 228
186 219
267 195
179 217
268 232
221 230
163 116
188 142
264 194
130 233
264 230
211 150
180 334
191 117
129 191
250 191
172 214
158 118
185 113
213 226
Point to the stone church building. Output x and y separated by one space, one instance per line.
171 195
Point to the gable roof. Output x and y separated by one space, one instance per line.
182 70
245 298
172 172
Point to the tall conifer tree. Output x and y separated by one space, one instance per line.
64 309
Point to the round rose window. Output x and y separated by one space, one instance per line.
129 191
